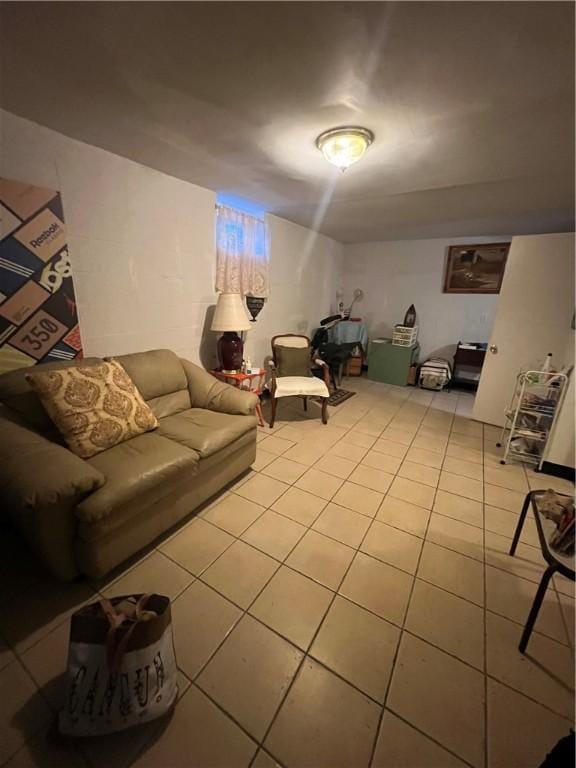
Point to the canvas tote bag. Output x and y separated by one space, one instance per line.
121 665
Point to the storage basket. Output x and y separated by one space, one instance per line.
435 373
402 336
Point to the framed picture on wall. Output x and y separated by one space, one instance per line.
475 268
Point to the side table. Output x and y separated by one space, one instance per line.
251 382
557 563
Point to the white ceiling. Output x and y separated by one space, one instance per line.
471 103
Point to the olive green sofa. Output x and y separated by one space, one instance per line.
88 516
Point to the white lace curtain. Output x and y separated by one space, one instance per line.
241 253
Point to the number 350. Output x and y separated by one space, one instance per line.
40 333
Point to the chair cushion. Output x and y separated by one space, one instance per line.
205 431
134 468
93 406
287 386
292 361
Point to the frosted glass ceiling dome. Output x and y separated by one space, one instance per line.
344 146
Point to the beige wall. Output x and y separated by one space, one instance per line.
395 274
142 245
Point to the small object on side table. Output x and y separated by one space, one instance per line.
252 382
557 562
229 317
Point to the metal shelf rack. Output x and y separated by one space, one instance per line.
531 416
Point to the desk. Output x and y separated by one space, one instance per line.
344 334
348 331
390 363
557 563
250 382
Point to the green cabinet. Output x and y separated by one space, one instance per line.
389 363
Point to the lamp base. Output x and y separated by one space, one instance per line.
230 352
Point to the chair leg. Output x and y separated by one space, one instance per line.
325 410
533 615
273 416
520 524
259 414
305 403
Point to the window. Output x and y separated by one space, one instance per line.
241 252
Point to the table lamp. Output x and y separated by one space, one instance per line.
230 317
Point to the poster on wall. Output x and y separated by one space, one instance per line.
38 316
475 268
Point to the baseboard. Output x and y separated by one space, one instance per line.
558 470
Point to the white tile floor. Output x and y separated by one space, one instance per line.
349 602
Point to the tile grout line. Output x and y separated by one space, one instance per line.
395 659
244 612
485 614
311 643
309 527
307 652
306 655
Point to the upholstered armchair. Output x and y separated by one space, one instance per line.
291 369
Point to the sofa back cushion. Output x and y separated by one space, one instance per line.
160 379
95 407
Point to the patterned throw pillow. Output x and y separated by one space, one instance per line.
93 406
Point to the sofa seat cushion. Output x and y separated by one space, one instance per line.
132 469
212 476
245 443
205 432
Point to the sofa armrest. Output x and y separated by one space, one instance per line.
35 472
207 392
41 482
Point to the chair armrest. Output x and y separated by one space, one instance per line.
207 392
325 371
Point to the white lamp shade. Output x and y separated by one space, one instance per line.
230 314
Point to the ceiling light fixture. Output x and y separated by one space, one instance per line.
344 146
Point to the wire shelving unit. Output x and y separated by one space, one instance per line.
531 415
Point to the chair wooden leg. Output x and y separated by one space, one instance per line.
259 414
273 416
305 403
325 410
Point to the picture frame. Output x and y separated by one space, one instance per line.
475 268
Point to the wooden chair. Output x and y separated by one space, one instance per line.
297 386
